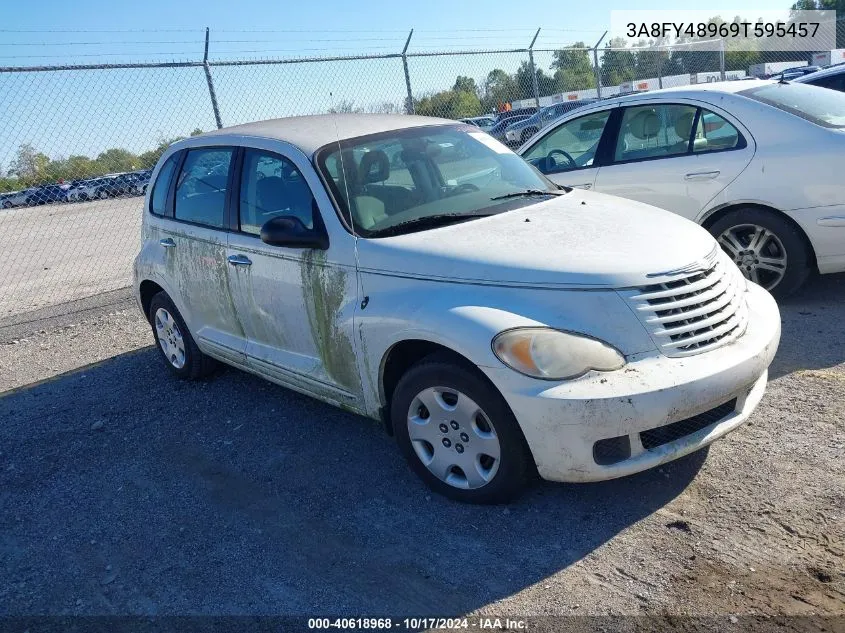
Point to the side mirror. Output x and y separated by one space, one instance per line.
288 230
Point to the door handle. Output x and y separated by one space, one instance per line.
583 185
167 243
239 260
702 175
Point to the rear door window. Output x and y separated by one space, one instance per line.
202 185
654 131
713 133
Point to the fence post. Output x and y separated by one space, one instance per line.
535 85
210 83
596 68
659 68
409 99
722 60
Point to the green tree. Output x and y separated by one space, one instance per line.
29 165
449 104
117 160
617 64
465 84
573 68
499 89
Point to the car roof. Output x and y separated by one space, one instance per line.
821 74
692 91
310 133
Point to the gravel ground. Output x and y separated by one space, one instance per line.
125 491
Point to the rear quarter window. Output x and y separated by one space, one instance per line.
158 198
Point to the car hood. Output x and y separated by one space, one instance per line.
581 239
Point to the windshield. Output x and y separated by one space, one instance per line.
404 177
818 105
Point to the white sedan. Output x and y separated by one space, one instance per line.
757 163
417 271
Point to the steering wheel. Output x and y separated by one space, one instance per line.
551 157
464 187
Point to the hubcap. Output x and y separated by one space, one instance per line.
453 437
757 252
170 338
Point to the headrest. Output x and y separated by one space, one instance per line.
683 125
375 167
271 193
644 124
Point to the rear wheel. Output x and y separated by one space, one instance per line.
102 194
769 250
174 341
458 433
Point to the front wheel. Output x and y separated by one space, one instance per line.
458 433
769 250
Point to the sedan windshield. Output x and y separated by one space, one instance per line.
819 105
393 182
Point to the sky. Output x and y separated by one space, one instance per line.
87 111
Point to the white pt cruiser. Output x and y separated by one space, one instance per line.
416 271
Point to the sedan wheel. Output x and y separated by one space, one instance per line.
103 194
453 438
170 338
758 253
767 247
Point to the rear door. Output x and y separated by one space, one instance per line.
567 153
190 232
676 156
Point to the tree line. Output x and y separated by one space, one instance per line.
31 167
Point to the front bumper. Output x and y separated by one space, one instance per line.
562 421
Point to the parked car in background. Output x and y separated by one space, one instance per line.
520 132
13 199
583 344
484 122
46 194
794 73
142 180
498 131
727 155
832 77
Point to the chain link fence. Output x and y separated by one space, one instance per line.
77 142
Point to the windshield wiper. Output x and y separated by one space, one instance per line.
427 222
528 192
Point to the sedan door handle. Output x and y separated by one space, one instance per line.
702 175
167 243
239 260
583 185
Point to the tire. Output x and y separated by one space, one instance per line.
102 194
781 241
7 205
191 364
494 480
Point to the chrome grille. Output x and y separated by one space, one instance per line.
699 312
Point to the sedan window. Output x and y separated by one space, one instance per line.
158 200
822 107
272 186
570 146
713 133
654 131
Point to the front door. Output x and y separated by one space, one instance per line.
194 240
674 156
566 154
296 304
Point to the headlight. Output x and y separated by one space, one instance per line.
554 355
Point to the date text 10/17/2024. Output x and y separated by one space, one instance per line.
416 624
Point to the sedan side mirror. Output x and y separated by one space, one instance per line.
288 230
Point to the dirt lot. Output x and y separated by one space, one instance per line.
123 491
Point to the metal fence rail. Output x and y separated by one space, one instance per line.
72 124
